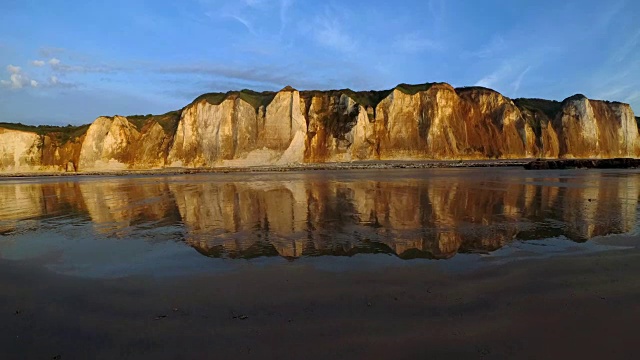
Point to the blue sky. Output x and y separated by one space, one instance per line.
71 61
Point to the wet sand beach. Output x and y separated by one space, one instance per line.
412 263
575 307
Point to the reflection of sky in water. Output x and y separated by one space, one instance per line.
120 226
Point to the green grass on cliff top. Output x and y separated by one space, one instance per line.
410 89
548 107
464 89
366 98
62 133
253 98
168 121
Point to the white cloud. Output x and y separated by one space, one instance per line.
17 79
13 69
37 63
53 80
54 62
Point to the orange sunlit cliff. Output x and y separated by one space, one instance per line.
410 122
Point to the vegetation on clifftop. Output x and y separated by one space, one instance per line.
548 107
63 134
253 98
370 98
410 89
168 121
464 89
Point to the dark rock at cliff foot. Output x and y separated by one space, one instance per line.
617 163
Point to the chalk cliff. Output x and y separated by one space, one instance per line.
410 122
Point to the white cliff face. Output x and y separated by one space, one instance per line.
233 133
398 118
628 131
362 137
578 130
283 120
19 151
444 124
107 145
260 129
285 127
150 154
204 135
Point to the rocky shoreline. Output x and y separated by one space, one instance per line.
362 165
539 164
617 163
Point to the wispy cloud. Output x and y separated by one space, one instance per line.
496 77
252 14
329 32
516 84
494 47
38 63
247 24
47 52
415 42
611 12
630 46
254 3
284 10
437 9
271 76
58 66
633 97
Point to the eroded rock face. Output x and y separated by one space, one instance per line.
596 129
447 123
235 133
338 129
107 144
19 150
410 122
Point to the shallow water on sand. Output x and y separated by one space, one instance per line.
335 220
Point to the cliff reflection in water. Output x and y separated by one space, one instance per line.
427 214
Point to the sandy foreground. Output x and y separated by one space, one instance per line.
574 306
